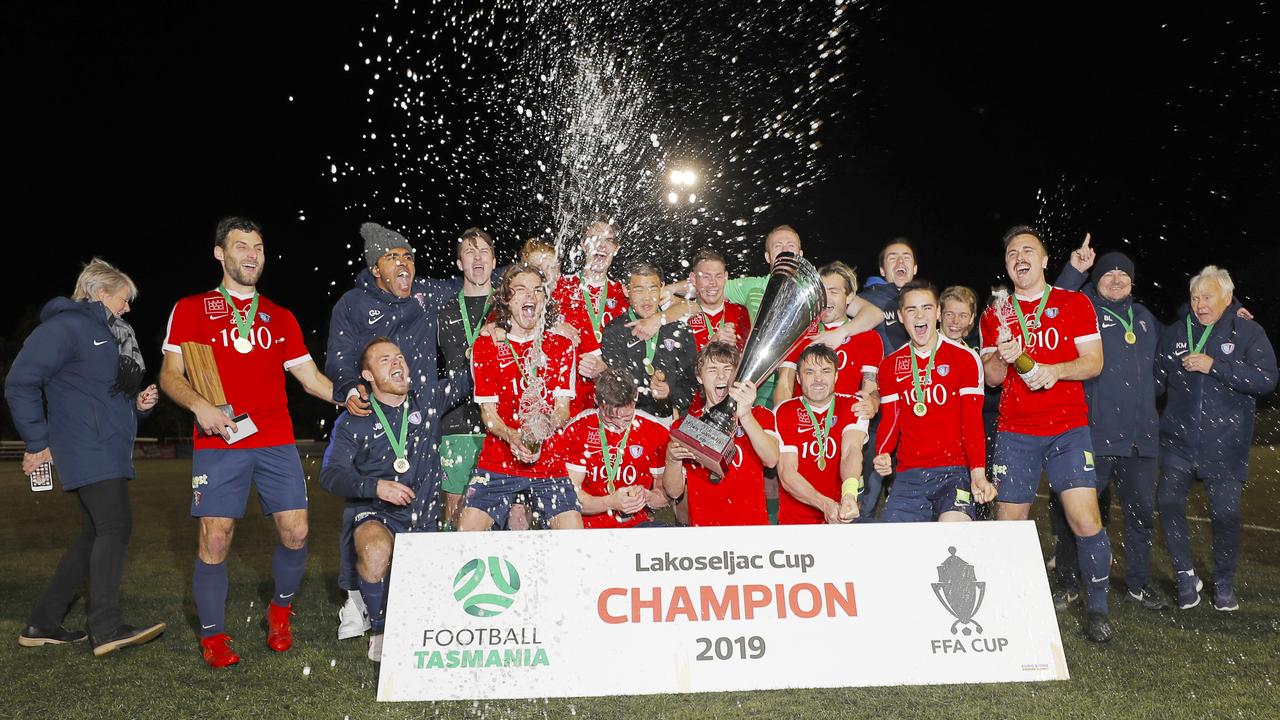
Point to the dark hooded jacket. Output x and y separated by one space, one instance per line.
73 358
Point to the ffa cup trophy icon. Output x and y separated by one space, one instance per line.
959 592
793 299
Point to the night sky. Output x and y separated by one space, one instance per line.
133 128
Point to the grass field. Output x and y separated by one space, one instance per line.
1197 663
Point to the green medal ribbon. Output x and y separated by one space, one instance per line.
397 443
1022 322
243 321
706 319
527 368
916 378
466 319
650 345
1127 324
596 311
1196 347
612 461
821 431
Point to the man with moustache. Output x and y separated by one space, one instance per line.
1122 421
380 459
1213 366
254 341
858 360
388 300
820 461
737 498
932 418
1044 418
528 355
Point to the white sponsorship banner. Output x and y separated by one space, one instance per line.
568 613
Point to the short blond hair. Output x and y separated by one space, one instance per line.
960 293
99 275
1215 274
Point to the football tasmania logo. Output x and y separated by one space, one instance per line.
486 587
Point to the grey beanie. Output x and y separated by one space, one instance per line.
379 241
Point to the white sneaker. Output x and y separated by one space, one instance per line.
353 620
375 647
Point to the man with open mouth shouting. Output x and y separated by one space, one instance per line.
523 384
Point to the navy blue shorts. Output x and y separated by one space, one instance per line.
1019 459
494 493
220 481
395 522
922 494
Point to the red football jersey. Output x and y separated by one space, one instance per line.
253 382
738 499
858 354
643 461
729 312
499 379
571 307
1068 319
950 432
798 438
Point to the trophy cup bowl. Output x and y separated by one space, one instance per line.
793 299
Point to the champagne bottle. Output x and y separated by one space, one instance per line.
663 405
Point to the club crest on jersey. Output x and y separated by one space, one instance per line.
1142 324
1228 348
215 307
669 344
636 451
611 303
902 365
415 417
264 317
802 415
944 370
1051 312
422 299
739 432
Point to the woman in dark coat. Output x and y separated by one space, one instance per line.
85 360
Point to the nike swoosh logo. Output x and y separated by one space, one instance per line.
99 342
286 597
1098 580
1104 325
206 627
633 344
378 435
374 320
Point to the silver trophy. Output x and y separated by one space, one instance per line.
535 412
792 301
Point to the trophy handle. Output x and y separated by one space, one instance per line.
937 592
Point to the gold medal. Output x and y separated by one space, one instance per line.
242 345
401 465
468 353
1130 337
598 335
919 409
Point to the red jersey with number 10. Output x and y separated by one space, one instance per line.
643 460
800 439
254 381
1068 320
950 433
499 379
